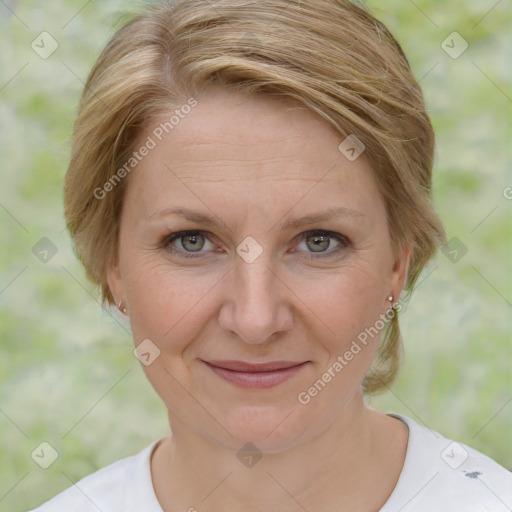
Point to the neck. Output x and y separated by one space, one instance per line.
354 463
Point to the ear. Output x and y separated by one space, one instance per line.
400 271
115 283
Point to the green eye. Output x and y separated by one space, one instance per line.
193 243
318 242
190 243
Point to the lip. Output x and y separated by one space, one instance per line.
255 375
243 366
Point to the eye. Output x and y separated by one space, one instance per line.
318 242
188 244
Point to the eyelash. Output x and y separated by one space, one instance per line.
343 240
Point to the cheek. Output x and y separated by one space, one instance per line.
349 302
347 298
166 304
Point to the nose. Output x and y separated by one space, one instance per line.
257 306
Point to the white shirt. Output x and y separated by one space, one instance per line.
438 475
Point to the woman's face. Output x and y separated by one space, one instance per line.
257 277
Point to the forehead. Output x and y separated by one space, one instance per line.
252 141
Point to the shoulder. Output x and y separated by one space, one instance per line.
447 476
112 488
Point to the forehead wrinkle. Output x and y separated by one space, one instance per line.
245 170
252 140
220 162
276 178
191 139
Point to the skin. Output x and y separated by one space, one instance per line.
251 163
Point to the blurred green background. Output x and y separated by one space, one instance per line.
68 375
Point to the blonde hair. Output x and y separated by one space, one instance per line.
328 55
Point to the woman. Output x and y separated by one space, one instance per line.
250 185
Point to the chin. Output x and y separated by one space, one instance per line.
270 428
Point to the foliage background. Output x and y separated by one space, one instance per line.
67 371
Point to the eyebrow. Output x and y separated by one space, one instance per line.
208 220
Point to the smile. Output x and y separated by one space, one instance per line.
262 375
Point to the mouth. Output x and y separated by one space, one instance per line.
255 375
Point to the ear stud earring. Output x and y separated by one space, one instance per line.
121 307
